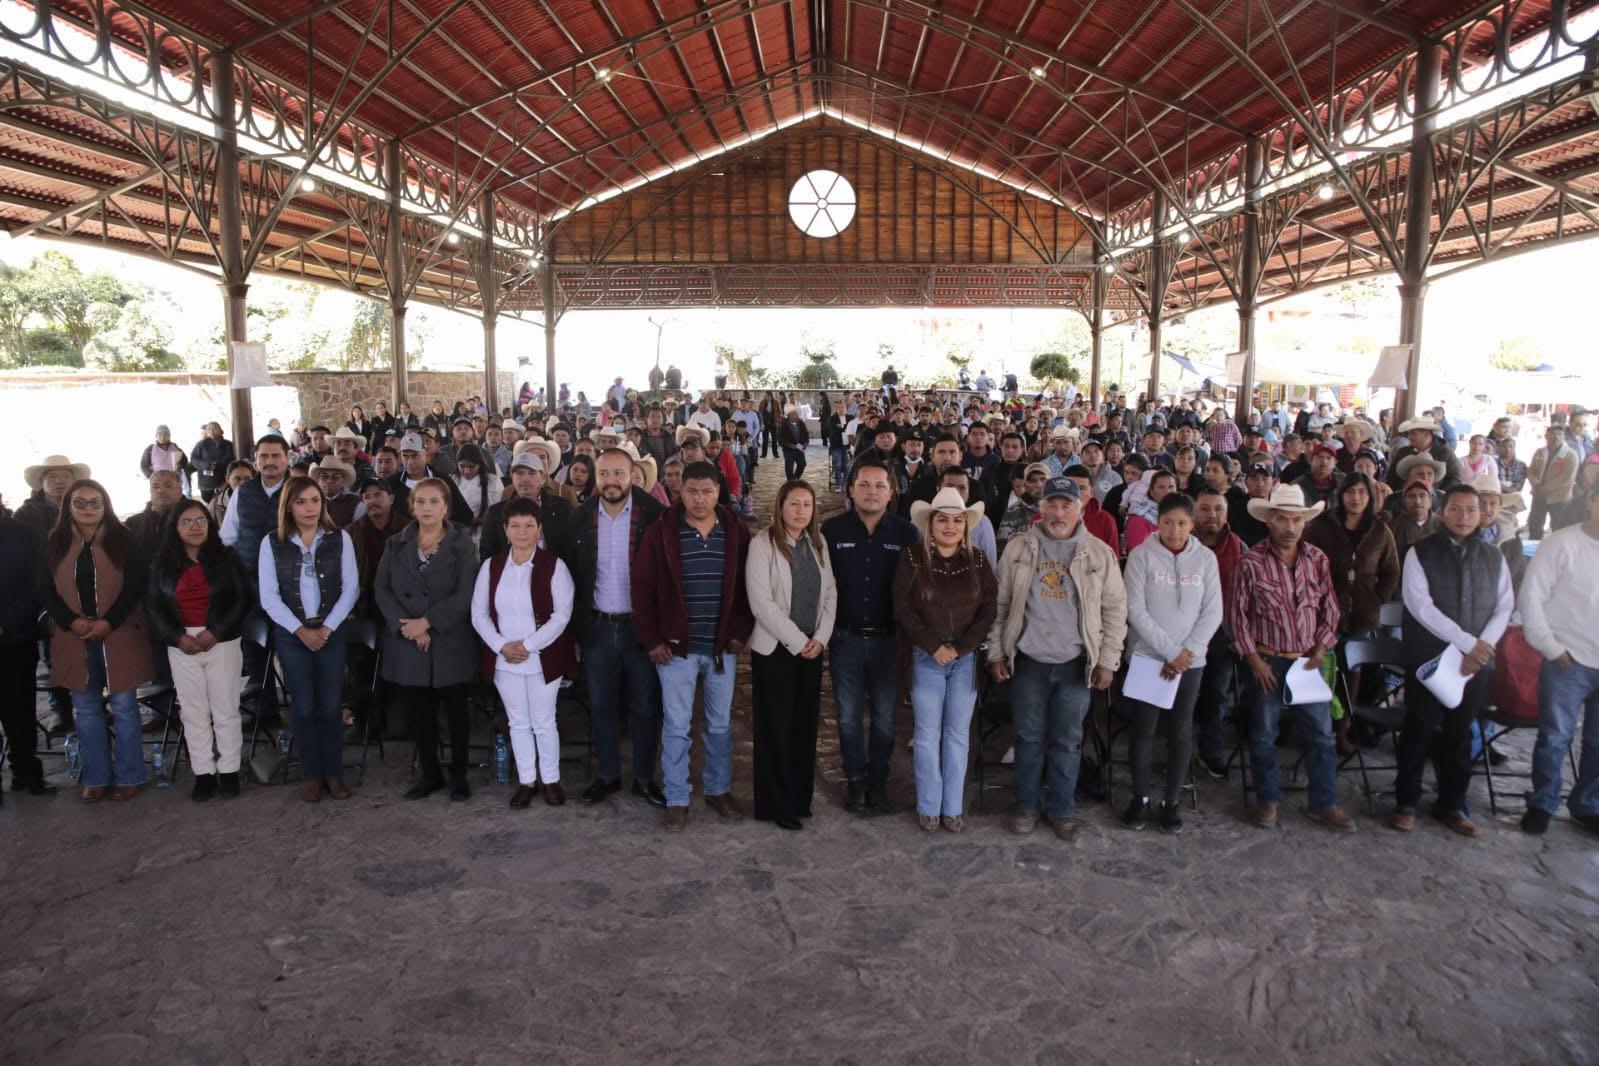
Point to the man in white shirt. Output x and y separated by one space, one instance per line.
704 416
1457 595
1557 615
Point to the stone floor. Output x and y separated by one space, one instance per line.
268 931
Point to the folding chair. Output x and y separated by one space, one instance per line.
1385 715
1495 723
1120 725
365 632
1390 617
993 714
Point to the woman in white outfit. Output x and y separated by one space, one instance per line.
520 607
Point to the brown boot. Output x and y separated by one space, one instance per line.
554 794
311 791
338 789
124 792
1403 819
1346 747
1333 818
1265 815
93 793
523 796
725 805
675 819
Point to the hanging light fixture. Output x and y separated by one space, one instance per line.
1325 191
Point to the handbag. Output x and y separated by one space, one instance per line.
1514 685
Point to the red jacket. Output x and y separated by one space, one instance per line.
659 615
729 468
1102 525
1227 556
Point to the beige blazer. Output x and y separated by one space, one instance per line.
770 584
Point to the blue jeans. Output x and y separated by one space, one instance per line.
315 680
942 698
1565 694
840 457
677 704
619 672
88 709
1215 694
1048 704
865 670
1315 719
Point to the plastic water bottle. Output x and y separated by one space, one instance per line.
73 757
283 743
158 768
502 761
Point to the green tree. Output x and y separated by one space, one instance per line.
1052 369
140 340
68 297
959 352
52 347
819 373
367 343
1519 352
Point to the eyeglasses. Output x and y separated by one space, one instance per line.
87 503
197 522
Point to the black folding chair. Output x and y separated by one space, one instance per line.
365 633
1119 725
1385 714
1495 723
993 715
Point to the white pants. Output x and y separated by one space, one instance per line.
208 687
530 711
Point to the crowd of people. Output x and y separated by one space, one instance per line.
1155 559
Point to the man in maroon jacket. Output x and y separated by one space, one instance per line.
692 614
1216 684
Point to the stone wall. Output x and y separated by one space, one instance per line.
326 395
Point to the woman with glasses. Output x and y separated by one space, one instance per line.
196 606
309 584
94 578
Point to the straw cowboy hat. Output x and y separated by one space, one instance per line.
548 451
510 425
604 431
948 501
1410 425
1410 462
652 474
1359 425
34 475
1064 433
1290 498
332 465
693 431
346 433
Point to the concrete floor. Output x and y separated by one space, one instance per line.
265 930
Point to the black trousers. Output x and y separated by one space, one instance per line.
18 662
1179 737
1444 734
786 696
422 716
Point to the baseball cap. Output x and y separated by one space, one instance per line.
530 461
1261 470
1063 488
412 442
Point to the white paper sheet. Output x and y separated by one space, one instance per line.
1145 683
1304 684
1443 678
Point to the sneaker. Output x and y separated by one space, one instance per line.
953 823
1535 822
1137 815
1333 818
1171 818
1022 822
1265 815
1403 819
928 822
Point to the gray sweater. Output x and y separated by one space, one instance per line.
1173 601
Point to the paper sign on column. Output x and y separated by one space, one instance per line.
1144 682
1305 684
250 366
1393 365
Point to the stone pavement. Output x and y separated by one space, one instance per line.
267 931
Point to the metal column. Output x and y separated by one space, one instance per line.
394 273
235 285
547 288
489 293
1160 271
1096 326
1418 223
1249 277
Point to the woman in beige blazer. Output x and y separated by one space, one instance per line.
793 597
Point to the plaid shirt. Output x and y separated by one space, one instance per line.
1224 435
1286 610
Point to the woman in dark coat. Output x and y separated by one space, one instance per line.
196 606
423 591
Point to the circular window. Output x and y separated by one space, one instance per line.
822 203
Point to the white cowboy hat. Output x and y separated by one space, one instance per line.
651 473
1487 485
1290 498
548 451
604 431
1412 424
1410 462
948 501
346 433
332 465
510 425
693 431
34 475
1063 432
630 448
1365 429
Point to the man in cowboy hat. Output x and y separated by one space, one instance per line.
1422 467
1355 433
1283 615
210 458
1456 590
49 479
606 531
1423 438
1496 527
1063 441
793 435
1058 634
336 476
348 446
530 479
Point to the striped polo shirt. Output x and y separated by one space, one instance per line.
703 560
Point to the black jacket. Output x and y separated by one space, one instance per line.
231 599
584 550
37 514
555 516
460 513
210 459
20 567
